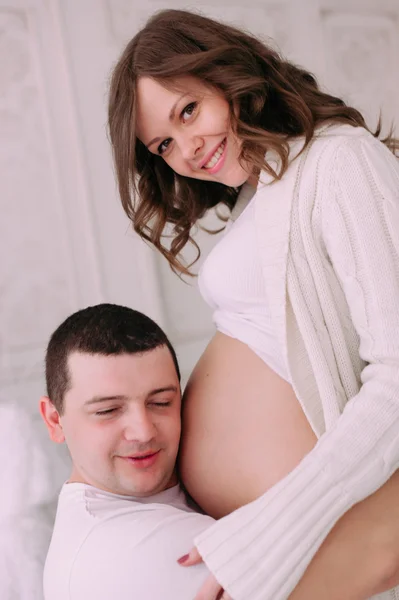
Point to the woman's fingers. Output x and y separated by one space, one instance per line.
211 590
193 558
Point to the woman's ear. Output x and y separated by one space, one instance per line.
51 419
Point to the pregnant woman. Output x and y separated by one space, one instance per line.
291 415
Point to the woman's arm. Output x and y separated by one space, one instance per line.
358 559
262 550
360 556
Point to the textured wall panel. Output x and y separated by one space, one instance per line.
362 59
36 283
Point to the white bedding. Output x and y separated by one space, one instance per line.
29 484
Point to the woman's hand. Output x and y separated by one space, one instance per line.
211 589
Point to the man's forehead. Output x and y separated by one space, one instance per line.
139 371
79 357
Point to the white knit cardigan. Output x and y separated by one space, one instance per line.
328 234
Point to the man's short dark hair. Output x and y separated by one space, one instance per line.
104 329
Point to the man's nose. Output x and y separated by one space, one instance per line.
139 426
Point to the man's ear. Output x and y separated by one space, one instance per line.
51 419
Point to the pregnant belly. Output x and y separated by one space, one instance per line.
243 428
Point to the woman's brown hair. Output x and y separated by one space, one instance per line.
276 101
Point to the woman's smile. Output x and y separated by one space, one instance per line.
216 161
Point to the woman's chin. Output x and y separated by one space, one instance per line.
236 180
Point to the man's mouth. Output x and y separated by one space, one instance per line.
146 459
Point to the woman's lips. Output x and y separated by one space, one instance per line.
220 162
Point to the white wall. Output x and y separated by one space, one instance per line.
64 241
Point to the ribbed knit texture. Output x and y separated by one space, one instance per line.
328 233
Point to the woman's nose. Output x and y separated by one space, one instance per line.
190 146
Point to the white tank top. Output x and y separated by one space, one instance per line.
231 281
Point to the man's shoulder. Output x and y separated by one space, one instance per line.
117 517
101 538
91 518
128 546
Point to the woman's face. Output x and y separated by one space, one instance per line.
191 130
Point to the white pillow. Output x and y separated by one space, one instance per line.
29 485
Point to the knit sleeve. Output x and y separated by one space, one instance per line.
261 550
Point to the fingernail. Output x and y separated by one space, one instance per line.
183 559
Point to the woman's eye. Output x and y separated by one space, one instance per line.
164 146
189 110
186 114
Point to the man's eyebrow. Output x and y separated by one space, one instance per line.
161 390
98 399
171 117
154 392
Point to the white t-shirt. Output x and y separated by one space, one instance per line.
106 546
231 281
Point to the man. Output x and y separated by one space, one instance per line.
114 397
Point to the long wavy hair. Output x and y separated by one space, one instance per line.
276 102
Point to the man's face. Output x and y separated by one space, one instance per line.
121 421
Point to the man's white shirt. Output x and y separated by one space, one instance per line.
106 546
